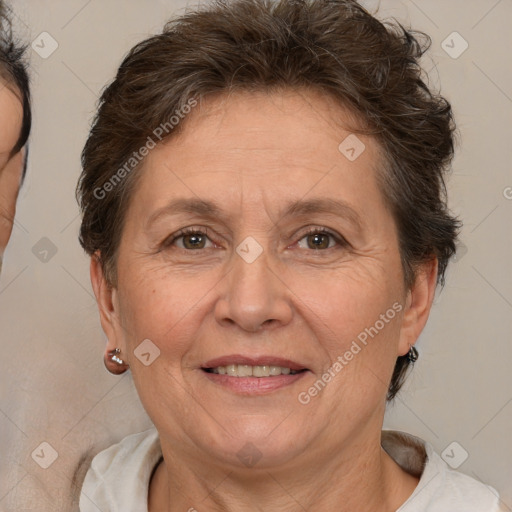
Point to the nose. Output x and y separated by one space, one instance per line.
254 296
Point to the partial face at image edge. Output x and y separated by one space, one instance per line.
11 164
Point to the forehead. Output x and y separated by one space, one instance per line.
269 135
256 148
11 116
264 120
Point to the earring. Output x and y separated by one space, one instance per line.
114 357
412 355
113 363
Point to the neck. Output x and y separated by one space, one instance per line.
360 477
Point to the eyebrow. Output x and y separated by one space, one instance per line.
301 207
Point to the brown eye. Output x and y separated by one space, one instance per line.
189 239
320 239
194 241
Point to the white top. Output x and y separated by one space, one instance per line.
118 479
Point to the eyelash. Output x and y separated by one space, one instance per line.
205 232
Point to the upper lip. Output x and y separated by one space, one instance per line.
253 361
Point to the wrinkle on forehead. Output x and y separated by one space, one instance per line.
255 154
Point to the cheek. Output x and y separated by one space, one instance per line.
10 176
169 306
156 320
357 317
352 299
160 307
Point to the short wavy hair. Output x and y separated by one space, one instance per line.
335 47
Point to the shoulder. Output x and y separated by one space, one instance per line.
453 491
440 489
119 476
126 455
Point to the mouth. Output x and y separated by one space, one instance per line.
245 370
253 376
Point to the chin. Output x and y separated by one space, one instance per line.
256 441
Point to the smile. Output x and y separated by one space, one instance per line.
245 370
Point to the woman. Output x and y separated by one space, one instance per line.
263 203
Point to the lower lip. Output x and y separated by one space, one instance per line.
254 385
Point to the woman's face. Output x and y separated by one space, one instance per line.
250 175
11 114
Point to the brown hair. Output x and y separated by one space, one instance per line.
333 46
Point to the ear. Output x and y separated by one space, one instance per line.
417 305
108 305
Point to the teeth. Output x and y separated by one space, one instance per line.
261 371
245 370
276 370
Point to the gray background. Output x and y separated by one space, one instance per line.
54 387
